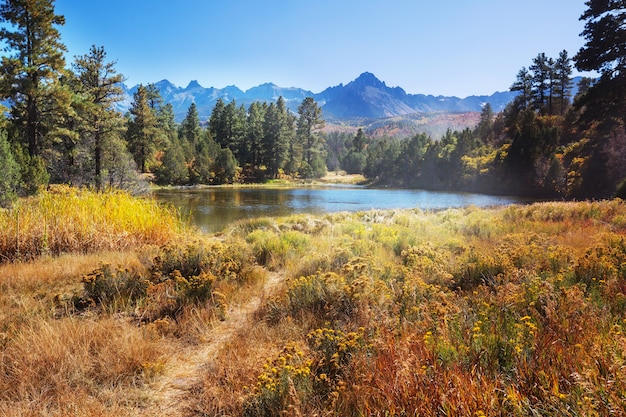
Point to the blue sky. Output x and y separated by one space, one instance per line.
447 47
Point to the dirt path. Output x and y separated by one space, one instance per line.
184 370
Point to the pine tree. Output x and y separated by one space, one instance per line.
256 117
604 51
190 132
217 122
30 73
143 132
276 128
485 125
310 121
563 87
173 168
358 143
541 77
98 85
523 84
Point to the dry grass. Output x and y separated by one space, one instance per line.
512 311
66 220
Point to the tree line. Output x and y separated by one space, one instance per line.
546 143
62 126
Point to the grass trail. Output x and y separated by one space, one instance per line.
171 392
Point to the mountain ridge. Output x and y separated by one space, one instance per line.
365 97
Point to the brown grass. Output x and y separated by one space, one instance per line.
513 311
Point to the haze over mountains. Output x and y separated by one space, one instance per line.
366 97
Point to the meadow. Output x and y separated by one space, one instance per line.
111 305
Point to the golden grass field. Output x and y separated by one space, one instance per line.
111 306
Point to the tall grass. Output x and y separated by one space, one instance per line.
66 220
75 367
516 311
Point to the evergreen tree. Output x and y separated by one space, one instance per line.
541 81
217 121
255 133
143 132
358 142
310 121
273 155
604 51
121 170
484 129
290 147
190 132
155 101
99 89
9 171
563 86
227 125
30 73
173 168
523 84
226 167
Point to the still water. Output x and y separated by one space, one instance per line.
212 209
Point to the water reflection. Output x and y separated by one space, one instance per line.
214 208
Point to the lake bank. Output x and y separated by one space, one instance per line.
213 208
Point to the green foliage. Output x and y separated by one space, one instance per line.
273 249
173 169
144 136
9 172
32 69
604 100
33 174
226 167
98 86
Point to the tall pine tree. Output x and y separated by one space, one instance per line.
31 70
99 88
605 52
143 133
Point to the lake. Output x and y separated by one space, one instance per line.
212 209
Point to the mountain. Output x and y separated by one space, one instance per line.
205 98
366 97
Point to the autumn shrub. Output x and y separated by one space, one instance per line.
107 287
178 276
333 351
478 268
285 382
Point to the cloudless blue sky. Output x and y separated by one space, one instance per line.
447 47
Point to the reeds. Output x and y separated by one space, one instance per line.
66 220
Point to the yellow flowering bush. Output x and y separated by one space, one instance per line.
286 379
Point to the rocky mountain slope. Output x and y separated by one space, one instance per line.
366 97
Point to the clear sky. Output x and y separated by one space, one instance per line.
447 47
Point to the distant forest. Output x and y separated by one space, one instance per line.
61 126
